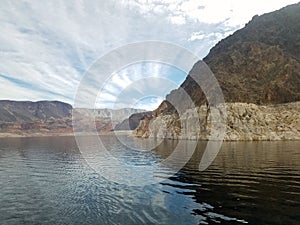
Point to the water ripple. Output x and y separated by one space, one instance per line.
45 180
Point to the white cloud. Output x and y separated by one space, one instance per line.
46 46
139 81
180 20
149 103
209 11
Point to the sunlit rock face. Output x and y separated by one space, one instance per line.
245 121
256 67
253 122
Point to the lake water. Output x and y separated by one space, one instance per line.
46 180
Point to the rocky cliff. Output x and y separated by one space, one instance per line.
133 121
259 64
245 121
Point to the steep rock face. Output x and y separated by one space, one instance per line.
245 121
272 122
143 128
133 121
259 64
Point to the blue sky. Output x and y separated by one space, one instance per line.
46 46
141 85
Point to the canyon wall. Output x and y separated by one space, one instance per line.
244 122
258 71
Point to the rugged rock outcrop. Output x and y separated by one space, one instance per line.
259 64
133 121
244 121
272 122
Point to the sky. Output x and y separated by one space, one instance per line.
46 47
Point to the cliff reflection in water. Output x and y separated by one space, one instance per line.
256 181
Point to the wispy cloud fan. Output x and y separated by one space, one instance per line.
46 46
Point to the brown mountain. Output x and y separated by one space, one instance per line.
26 111
54 117
258 64
25 117
258 70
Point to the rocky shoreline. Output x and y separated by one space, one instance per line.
244 122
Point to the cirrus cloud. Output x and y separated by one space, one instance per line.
46 46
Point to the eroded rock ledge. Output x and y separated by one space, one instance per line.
244 122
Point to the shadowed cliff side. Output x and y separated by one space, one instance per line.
133 121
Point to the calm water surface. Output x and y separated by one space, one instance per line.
47 181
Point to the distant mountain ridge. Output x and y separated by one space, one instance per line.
55 117
27 111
